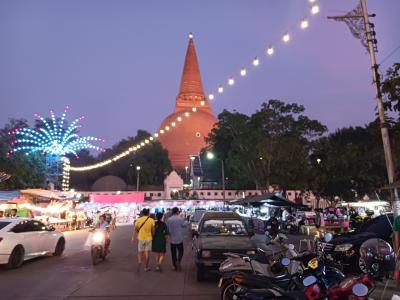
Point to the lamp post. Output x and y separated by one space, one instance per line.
192 158
211 156
137 178
186 173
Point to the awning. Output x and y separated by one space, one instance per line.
117 198
9 195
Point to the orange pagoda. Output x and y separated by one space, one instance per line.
188 137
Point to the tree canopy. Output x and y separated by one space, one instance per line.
154 163
26 171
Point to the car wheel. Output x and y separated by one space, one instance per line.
16 258
200 273
228 290
59 247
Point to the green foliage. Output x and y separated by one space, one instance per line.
391 88
26 171
348 163
271 146
153 161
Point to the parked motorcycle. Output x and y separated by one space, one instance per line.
376 254
100 245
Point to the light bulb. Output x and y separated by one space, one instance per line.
211 96
256 61
166 127
231 81
220 90
315 9
304 24
202 103
286 37
187 114
173 124
270 51
179 119
194 109
243 72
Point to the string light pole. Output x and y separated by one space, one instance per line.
360 26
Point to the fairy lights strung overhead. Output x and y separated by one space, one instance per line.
271 49
256 61
138 146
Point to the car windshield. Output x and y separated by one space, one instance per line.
379 225
3 224
223 227
197 215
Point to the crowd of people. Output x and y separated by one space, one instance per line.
152 236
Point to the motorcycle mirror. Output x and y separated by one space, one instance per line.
360 290
246 259
285 261
309 280
328 237
290 247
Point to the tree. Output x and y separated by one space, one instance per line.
27 171
347 164
391 88
153 161
271 146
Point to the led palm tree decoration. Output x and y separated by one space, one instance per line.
55 140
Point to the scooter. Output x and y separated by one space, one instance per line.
320 285
265 262
100 245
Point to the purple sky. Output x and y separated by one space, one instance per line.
119 62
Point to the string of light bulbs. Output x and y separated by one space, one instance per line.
138 146
269 51
255 62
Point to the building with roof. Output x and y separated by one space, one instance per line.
188 137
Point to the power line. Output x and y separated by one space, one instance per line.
390 54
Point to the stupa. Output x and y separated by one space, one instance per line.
188 137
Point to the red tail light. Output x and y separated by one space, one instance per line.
313 292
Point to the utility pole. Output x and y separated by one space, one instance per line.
371 45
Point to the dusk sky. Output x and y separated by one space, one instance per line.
119 63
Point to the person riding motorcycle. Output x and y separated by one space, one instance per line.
102 224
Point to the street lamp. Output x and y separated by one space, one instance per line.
137 178
211 156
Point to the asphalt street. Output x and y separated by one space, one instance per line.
72 275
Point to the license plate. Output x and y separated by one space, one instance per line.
221 280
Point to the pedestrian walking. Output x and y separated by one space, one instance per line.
159 245
175 225
144 230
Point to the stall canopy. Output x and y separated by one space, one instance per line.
117 198
9 195
270 199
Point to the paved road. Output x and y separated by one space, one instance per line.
73 277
